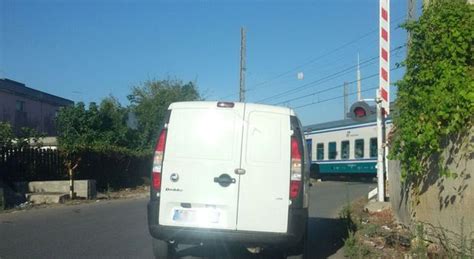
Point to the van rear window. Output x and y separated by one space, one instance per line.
264 137
201 133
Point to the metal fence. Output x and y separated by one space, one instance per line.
30 164
110 169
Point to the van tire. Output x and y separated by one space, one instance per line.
300 251
161 249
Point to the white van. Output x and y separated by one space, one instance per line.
233 172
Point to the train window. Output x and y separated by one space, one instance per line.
373 147
309 144
345 149
359 148
320 151
332 153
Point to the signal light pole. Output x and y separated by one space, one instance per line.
362 105
380 150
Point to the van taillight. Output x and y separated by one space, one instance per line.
294 189
158 161
296 169
156 180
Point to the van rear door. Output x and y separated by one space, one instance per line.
264 186
203 149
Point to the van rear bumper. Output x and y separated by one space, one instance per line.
296 229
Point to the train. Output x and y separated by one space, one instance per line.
343 147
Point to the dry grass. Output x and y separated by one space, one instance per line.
376 234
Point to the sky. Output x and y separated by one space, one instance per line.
85 50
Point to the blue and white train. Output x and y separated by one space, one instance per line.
344 147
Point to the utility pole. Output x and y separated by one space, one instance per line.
359 96
346 110
242 65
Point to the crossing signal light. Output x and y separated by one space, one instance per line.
361 111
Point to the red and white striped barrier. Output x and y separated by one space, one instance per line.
384 63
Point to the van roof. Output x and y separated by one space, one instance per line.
206 104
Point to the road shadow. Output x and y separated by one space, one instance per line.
326 236
11 196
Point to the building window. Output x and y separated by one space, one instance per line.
320 151
332 153
373 147
309 145
20 106
345 149
359 148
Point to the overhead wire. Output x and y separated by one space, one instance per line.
324 79
254 87
321 80
332 88
327 53
326 89
334 98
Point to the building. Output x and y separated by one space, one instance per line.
22 106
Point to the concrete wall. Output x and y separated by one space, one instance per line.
398 193
445 203
82 188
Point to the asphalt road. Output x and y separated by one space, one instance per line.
118 228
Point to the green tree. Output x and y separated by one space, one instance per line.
73 127
150 102
436 95
25 138
113 124
28 137
6 134
104 128
99 128
74 132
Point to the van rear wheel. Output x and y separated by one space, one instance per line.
162 249
300 251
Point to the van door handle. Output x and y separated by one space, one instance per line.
224 180
239 171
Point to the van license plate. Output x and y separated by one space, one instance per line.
204 216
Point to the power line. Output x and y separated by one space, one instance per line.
331 88
334 98
326 78
343 57
326 89
327 53
254 86
320 80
